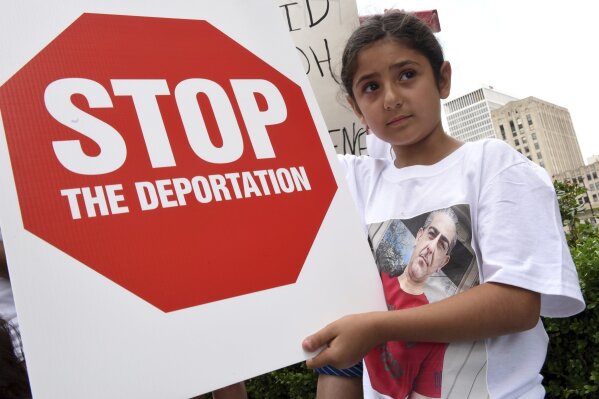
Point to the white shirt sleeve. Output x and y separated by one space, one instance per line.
522 240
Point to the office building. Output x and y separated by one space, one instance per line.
541 131
469 116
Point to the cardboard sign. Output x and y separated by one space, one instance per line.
172 208
320 29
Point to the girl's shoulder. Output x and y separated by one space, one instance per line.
494 150
500 166
362 163
496 157
362 171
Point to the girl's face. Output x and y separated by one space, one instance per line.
396 94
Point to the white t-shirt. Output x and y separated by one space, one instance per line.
509 231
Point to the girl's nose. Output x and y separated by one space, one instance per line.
392 98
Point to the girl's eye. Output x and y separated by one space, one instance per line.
370 87
407 75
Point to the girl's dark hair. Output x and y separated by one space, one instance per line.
405 28
14 382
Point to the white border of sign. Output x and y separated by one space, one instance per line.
86 337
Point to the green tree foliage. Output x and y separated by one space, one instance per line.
572 366
293 382
567 194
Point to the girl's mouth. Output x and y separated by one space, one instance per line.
398 120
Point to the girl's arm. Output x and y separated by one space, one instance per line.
485 311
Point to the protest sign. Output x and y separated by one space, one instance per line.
320 29
174 215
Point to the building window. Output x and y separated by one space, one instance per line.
594 197
581 201
519 124
534 136
526 150
529 120
594 175
542 164
539 155
523 140
537 146
589 177
512 127
580 179
516 142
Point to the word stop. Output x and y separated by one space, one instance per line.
113 150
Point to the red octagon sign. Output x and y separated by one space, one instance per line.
166 157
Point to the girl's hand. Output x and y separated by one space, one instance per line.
346 341
462 317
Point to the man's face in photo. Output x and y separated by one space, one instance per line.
431 250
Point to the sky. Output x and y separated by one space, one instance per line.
539 48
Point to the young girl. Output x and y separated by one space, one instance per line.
467 237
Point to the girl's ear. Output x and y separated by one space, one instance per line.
356 109
445 80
